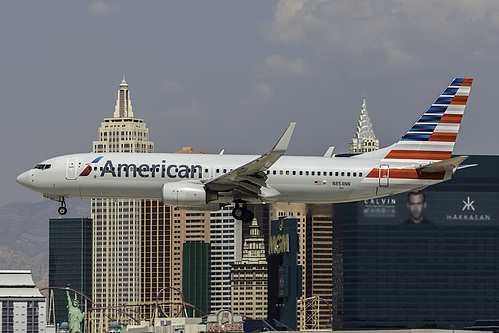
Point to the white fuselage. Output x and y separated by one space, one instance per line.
291 179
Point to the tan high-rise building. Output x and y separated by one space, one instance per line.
126 232
319 258
249 277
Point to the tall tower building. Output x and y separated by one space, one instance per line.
196 270
70 260
117 222
249 277
226 245
298 210
319 280
363 139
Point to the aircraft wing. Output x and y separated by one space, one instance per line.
445 165
249 178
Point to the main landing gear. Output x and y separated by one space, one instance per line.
62 210
240 212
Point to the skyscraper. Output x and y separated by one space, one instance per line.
196 271
298 210
390 272
249 277
363 139
226 244
319 280
70 260
117 222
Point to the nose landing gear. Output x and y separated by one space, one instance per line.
62 210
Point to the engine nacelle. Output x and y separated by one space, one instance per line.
184 194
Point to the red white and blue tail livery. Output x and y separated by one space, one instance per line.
422 157
433 136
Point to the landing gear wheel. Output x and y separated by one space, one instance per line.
238 213
242 213
248 216
62 210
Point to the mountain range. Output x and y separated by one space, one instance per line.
24 235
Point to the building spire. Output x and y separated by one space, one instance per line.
123 108
364 139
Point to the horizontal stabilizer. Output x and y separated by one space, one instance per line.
445 165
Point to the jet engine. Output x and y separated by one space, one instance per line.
186 194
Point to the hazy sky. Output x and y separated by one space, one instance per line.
232 74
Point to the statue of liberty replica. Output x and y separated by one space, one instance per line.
75 316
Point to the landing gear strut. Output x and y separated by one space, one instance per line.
240 212
62 210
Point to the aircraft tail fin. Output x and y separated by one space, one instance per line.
433 136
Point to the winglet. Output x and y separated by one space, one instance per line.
283 142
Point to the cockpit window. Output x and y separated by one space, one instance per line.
43 166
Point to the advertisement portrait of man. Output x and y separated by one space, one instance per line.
416 204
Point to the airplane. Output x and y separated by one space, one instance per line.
422 157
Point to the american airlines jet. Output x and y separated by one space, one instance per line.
422 157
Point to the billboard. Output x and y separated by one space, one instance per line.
432 208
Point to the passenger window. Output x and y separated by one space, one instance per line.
355 174
287 172
342 174
336 173
274 172
268 172
318 173
294 173
330 173
348 174
306 173
360 174
218 170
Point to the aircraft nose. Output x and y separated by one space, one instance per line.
23 178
